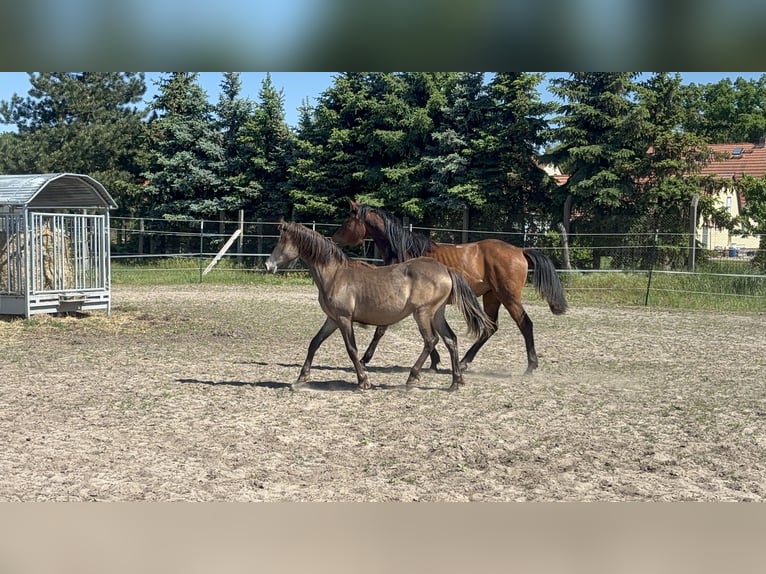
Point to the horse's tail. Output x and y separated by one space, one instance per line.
546 281
479 323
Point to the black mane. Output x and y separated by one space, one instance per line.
400 243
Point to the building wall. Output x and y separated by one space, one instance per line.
722 239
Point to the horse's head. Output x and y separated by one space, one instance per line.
286 249
353 230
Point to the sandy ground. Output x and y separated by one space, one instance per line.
182 393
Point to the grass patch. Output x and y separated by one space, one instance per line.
187 270
710 291
674 290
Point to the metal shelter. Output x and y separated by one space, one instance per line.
54 244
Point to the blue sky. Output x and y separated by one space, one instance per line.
296 86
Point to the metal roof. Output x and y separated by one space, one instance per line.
53 191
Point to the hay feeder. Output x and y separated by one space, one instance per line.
54 244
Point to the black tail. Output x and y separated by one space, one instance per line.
479 324
546 281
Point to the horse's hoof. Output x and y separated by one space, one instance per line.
453 387
298 385
413 379
463 367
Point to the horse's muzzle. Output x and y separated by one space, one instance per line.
271 266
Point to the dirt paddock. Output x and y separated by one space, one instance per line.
183 394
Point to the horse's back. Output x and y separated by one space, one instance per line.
383 295
487 264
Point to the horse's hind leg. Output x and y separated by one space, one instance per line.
379 332
327 329
441 326
491 306
525 326
435 359
423 320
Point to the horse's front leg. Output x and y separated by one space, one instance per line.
379 332
347 330
327 329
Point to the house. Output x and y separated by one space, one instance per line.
740 159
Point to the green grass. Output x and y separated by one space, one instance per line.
672 290
186 270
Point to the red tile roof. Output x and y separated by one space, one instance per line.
751 161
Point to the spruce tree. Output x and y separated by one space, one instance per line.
454 188
596 145
185 152
269 143
233 112
85 122
517 191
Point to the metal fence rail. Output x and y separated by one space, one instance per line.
667 264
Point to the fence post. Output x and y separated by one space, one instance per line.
141 236
201 240
240 239
565 246
259 235
651 267
466 223
693 231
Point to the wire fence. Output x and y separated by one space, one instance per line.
656 263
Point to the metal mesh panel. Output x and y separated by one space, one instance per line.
68 252
11 249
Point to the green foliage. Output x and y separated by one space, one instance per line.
86 122
727 112
268 145
752 218
435 147
238 189
185 151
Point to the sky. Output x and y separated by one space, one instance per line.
295 86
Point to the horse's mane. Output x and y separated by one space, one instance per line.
401 244
313 245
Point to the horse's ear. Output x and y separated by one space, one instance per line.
353 204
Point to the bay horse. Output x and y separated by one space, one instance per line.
495 270
355 292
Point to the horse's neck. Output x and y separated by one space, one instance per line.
384 246
322 274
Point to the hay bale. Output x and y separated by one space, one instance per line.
57 268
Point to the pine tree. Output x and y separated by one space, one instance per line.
185 152
450 158
86 122
233 112
270 143
517 191
364 139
